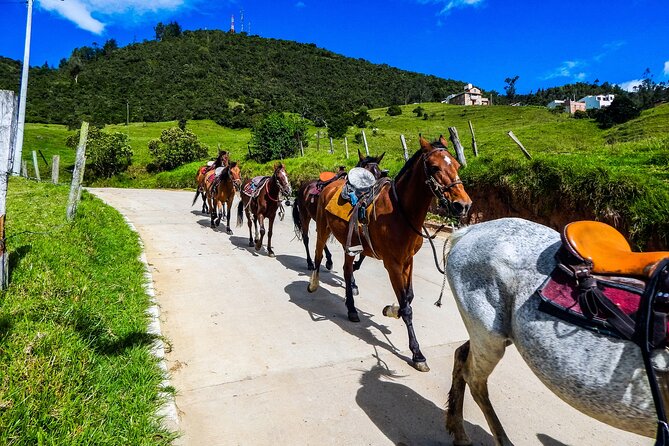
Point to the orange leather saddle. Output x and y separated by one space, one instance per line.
608 251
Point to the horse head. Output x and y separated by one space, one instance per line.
235 175
441 176
371 163
282 179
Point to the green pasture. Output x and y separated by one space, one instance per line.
75 359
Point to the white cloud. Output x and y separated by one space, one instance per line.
566 69
666 68
609 48
448 5
300 5
82 12
629 85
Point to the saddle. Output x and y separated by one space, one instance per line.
601 285
253 187
316 187
214 177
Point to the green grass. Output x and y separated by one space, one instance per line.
75 361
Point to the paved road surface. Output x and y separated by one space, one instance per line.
256 360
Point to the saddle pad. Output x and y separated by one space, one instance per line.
252 188
559 298
341 208
210 177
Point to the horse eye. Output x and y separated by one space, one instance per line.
434 169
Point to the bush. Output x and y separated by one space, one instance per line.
174 148
622 109
418 111
394 110
277 137
106 153
339 125
580 114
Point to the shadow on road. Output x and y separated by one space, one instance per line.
243 244
299 265
326 306
549 441
404 416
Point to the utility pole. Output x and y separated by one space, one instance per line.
18 147
127 113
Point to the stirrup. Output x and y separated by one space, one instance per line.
354 251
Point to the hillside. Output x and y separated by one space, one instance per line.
199 73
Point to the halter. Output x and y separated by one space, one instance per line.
435 187
276 180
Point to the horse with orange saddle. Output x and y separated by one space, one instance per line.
221 161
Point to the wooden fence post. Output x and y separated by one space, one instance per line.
459 150
346 146
404 146
8 105
24 168
301 147
78 173
517 141
55 165
331 146
364 139
318 140
474 147
36 166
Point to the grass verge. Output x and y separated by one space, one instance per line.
75 359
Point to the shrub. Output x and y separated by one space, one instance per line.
277 137
418 111
580 114
106 153
622 109
339 125
174 148
394 110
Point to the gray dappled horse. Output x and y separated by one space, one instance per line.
494 269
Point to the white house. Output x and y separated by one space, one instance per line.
555 104
599 101
470 96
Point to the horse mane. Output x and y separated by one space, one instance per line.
409 164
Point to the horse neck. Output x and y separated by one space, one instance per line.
414 195
273 187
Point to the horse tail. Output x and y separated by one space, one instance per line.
240 213
297 220
197 193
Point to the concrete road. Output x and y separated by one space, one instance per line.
256 360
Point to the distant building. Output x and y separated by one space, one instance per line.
470 96
569 106
599 101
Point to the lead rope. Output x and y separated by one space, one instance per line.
447 244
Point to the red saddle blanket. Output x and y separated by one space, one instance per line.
252 188
559 296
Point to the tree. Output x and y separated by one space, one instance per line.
394 110
622 109
510 87
277 136
339 125
418 111
106 153
174 148
164 32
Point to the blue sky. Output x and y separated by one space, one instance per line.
546 43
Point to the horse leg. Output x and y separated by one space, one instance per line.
348 276
305 240
228 230
212 210
249 222
270 253
400 277
218 204
261 221
328 258
482 357
456 398
322 234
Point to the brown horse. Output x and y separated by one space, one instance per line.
262 204
220 161
220 190
306 204
395 227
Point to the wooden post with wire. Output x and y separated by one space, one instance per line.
78 173
8 105
364 139
331 146
301 146
24 168
474 147
346 146
459 150
36 166
55 165
404 146
517 141
318 140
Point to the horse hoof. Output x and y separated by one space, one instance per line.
228 231
310 266
251 243
421 366
270 254
213 225
328 265
311 290
391 311
353 317
354 290
258 246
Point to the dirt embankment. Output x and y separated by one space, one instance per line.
490 204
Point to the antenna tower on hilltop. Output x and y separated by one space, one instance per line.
241 13
232 23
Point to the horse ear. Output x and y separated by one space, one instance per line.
381 157
443 141
362 158
233 164
424 143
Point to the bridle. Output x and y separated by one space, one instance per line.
282 189
437 189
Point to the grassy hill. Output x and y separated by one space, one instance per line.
619 175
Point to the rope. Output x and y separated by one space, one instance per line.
447 243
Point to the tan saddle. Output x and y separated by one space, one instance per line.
608 250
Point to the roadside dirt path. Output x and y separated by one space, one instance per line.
256 360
